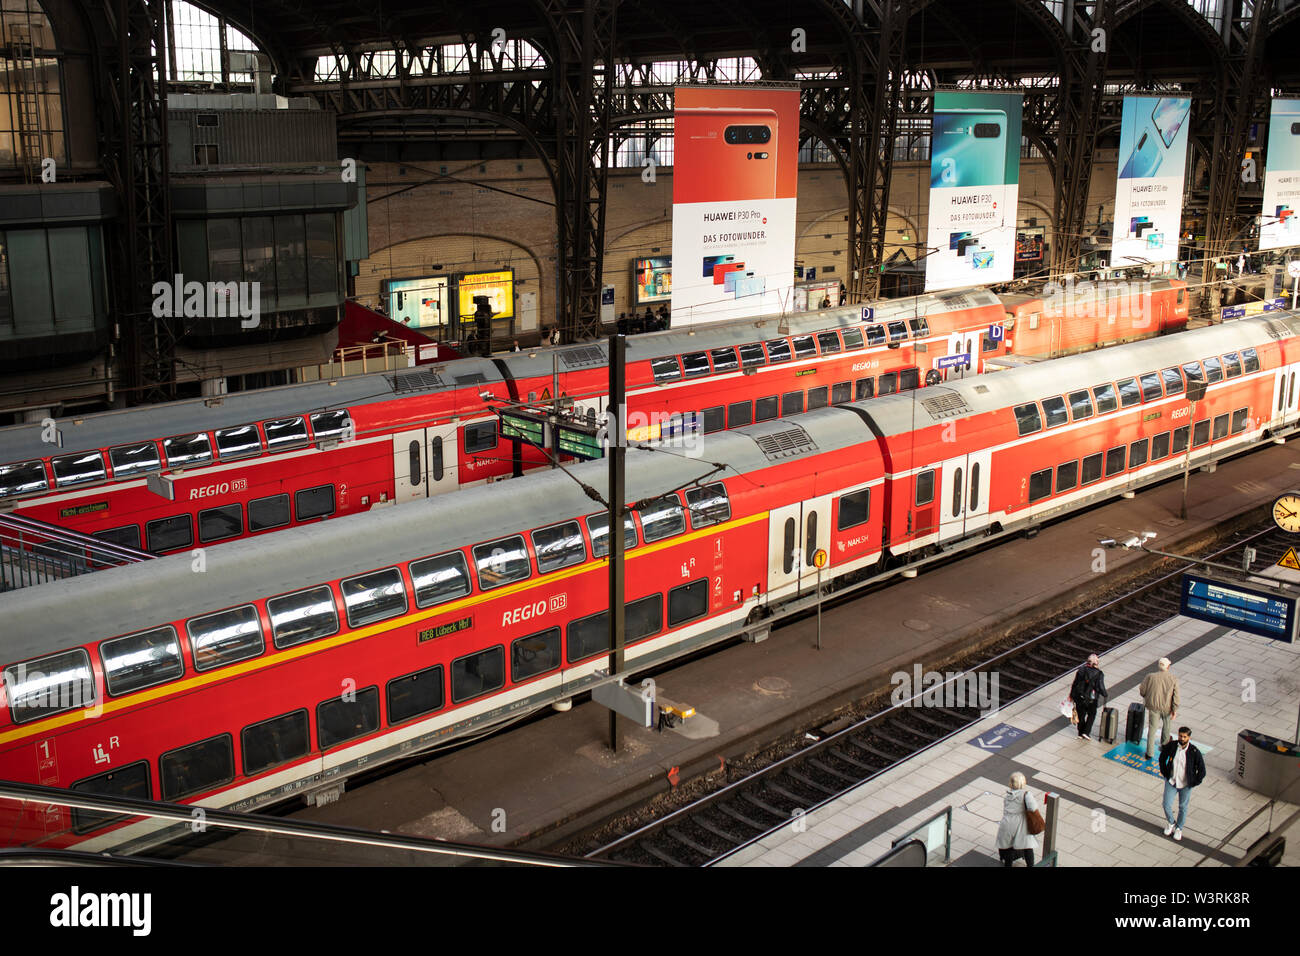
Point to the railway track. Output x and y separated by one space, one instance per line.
716 825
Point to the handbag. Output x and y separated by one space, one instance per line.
1067 710
1034 822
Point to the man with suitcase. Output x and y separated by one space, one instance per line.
1159 692
1088 688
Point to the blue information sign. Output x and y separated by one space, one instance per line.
995 333
1233 312
868 313
1253 610
953 361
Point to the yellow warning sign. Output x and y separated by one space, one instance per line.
546 394
1289 560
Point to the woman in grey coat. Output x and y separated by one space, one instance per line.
1013 832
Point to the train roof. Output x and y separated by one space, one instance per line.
104 429
59 615
898 414
1084 288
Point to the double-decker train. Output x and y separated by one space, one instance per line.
248 463
286 664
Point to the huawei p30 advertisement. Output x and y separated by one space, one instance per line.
735 176
1279 225
1149 190
974 189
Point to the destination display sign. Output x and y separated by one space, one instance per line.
1270 614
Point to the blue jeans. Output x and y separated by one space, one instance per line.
1184 798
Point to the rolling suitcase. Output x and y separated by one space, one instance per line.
1133 729
1109 725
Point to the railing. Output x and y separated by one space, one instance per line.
35 552
934 832
361 359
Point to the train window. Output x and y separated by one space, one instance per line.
273 742
1250 360
598 528
1105 396
241 442
1239 421
50 685
415 694
186 450
535 654
956 493
282 433
340 720
440 578
852 338
724 360
751 355
643 618
1129 393
588 636
829 342
889 383
1080 405
739 413
810 539
225 637
1220 427
1181 295
864 388
1173 378
413 462
804 346
778 350
875 334
665 369
909 378
129 781
302 616
974 486
559 546
695 364
1137 453
1231 365
924 488
380 594
436 467
919 326
264 513
1151 388
791 403
477 674
663 519
335 424
314 502
1067 476
1040 485
78 469
1180 439
708 505
841 392
1193 372
480 436
1213 370
128 536
855 509
688 602
1091 470
817 397
501 562
1028 420
1054 411
897 331
1201 433
1160 446
1114 461
169 534
134 459
988 343
766 408
216 524
196 768
788 555
715 419
22 478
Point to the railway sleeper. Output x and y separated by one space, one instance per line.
939 725
809 782
840 754
735 814
661 855
903 745
735 839
832 772
766 807
862 744
685 840
800 800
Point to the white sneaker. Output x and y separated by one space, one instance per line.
1170 829
1087 736
1178 834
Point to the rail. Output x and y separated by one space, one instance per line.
35 552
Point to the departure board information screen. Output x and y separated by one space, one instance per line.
1255 610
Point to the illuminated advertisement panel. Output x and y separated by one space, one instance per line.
1279 226
498 287
1149 188
652 279
424 301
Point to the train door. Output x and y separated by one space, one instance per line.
590 408
959 343
424 462
1285 397
964 504
444 455
795 534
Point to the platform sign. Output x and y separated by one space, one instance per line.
960 360
1000 737
528 428
868 313
581 443
1270 614
996 333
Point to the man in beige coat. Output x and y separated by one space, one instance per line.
1159 692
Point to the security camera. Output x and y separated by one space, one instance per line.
1108 543
1132 542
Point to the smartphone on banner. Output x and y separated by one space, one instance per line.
721 271
955 239
750 285
1168 117
982 259
969 148
729 281
1138 225
711 261
724 154
1145 158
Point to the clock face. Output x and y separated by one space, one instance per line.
1286 513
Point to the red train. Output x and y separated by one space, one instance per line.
248 463
291 662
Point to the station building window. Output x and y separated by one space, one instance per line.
31 109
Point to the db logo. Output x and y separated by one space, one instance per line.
559 602
239 484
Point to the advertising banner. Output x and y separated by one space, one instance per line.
421 303
735 176
497 287
974 189
1279 227
1149 189
653 279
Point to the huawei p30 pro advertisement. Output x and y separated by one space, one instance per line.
1279 227
974 189
735 174
1149 190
